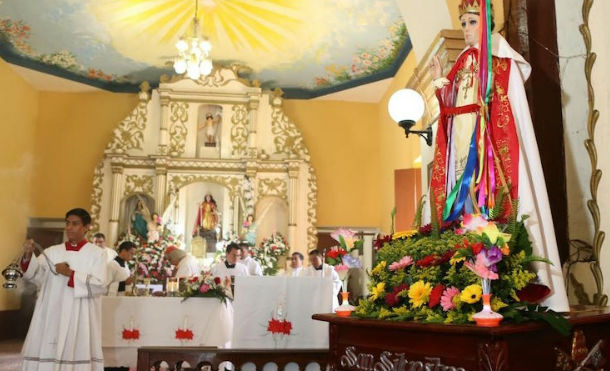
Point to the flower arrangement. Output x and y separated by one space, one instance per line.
437 273
208 286
348 242
150 257
269 253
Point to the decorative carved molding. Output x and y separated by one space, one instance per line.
492 356
288 138
232 182
216 79
130 132
312 218
239 130
138 184
96 197
177 130
272 187
594 248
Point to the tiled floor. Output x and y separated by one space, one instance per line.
10 355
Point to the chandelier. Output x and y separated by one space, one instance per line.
193 53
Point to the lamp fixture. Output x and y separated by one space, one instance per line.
194 52
406 107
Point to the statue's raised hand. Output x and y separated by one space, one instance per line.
435 68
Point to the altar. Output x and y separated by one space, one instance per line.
267 313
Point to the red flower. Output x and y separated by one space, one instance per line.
335 253
445 258
184 334
279 327
425 230
533 293
426 261
133 334
476 248
435 295
217 280
381 240
391 299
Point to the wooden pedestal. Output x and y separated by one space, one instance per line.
358 344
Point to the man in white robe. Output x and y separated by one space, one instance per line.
254 267
100 240
317 268
186 264
230 267
296 264
118 274
65 332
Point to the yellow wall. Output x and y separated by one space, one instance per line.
18 112
343 140
73 130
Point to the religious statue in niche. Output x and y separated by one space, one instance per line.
208 128
138 220
206 222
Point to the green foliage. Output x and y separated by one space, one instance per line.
419 212
498 208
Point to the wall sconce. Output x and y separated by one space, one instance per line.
406 107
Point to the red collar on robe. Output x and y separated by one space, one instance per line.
77 247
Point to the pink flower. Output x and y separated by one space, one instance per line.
402 263
447 298
204 288
480 267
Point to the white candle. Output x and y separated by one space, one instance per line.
131 324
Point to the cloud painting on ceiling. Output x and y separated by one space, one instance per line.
306 47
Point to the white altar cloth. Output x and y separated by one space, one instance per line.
157 319
258 299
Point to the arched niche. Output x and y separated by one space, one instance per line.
129 207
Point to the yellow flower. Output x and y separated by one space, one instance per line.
492 231
378 268
401 311
497 304
456 259
419 293
378 291
404 234
384 313
471 294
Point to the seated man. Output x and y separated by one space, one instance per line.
230 266
317 268
296 264
185 264
254 267
100 240
118 274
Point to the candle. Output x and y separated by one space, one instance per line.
185 323
131 324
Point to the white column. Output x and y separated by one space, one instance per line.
160 189
293 201
252 124
115 207
367 258
163 148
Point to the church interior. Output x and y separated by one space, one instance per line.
280 135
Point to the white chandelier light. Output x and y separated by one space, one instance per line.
193 53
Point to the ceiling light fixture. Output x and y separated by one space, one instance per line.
194 52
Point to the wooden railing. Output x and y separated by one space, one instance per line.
209 359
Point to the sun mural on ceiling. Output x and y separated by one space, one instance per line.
306 47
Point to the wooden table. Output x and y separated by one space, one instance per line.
360 344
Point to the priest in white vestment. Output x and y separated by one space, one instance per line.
317 268
254 267
186 264
296 264
118 274
99 239
65 331
230 267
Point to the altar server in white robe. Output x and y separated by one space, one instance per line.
230 266
65 331
118 274
317 268
99 239
186 264
254 267
296 264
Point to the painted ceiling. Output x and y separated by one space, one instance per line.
306 47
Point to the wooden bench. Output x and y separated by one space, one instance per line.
209 358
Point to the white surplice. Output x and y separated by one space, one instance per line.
254 267
221 270
65 332
188 267
294 272
115 274
327 271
